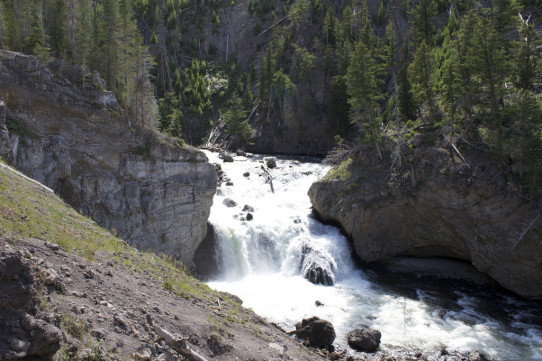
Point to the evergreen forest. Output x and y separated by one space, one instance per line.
464 73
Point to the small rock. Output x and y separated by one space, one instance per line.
227 158
318 303
79 294
143 353
98 333
228 202
89 274
249 217
246 174
121 321
194 339
109 273
229 184
217 346
363 339
248 208
271 162
241 153
50 277
52 246
78 310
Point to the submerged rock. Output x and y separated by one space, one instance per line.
319 332
271 162
363 339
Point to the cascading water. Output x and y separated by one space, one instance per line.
263 258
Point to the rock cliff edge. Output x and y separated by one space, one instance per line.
74 138
434 204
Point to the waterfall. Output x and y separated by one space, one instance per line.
275 256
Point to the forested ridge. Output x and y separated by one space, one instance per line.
464 74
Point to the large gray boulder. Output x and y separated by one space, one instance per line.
363 339
434 205
320 333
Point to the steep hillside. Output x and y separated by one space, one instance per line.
87 295
154 192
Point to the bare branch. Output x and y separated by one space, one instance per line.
176 343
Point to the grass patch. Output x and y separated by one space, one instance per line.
29 210
340 172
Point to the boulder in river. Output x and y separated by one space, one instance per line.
271 162
316 266
364 339
227 158
319 332
248 208
230 203
249 217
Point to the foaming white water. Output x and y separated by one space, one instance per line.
263 261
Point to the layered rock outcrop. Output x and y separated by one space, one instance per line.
435 205
73 138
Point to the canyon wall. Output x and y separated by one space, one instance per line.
74 138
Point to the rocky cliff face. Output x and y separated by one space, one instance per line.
71 137
434 205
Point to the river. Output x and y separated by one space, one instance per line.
262 261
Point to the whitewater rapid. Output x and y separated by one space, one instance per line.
260 260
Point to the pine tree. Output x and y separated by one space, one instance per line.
405 103
364 93
236 120
11 32
448 85
505 15
527 58
420 74
423 27
111 21
58 28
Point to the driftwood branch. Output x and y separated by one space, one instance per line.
269 177
176 343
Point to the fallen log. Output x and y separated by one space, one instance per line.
269 177
175 342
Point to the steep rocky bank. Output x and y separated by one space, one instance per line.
73 137
433 204
72 291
